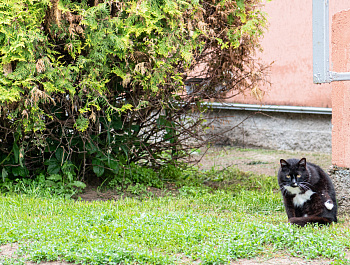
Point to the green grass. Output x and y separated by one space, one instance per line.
200 224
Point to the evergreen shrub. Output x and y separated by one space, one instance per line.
90 87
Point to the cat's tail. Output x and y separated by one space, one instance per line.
302 221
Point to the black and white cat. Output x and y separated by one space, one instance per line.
308 193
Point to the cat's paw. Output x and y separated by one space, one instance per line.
329 204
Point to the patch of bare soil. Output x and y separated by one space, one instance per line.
51 263
272 260
9 251
259 161
280 261
92 193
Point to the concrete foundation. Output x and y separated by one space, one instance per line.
282 131
341 181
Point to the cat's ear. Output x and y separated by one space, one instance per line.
302 162
284 163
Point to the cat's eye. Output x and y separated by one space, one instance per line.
287 176
298 176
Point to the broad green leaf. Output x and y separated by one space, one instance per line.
20 171
4 174
21 156
53 168
15 150
59 155
52 161
78 184
97 167
114 165
55 177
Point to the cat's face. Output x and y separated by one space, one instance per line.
293 175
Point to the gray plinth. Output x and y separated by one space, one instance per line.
341 181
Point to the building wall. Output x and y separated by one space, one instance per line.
341 90
340 173
288 43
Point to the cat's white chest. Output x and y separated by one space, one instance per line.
301 198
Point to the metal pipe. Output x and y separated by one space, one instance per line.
335 76
320 41
269 108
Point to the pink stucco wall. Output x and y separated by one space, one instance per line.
288 43
341 90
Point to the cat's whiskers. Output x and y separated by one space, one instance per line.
307 184
304 187
283 190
